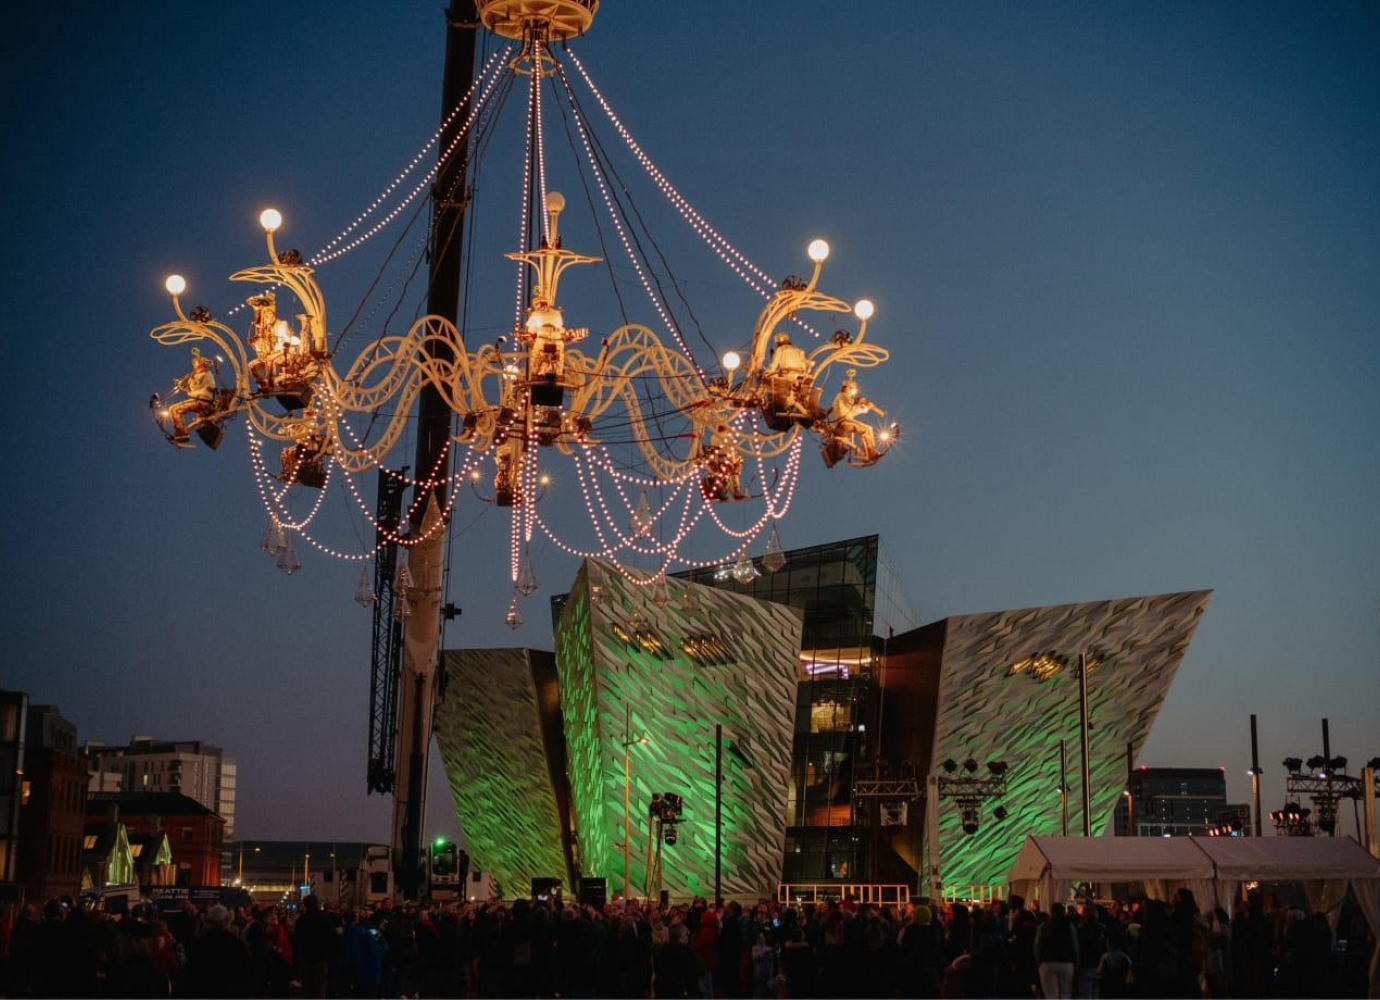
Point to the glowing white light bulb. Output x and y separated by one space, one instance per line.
818 251
176 284
271 219
555 201
863 309
732 361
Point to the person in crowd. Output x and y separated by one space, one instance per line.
921 954
218 963
1056 954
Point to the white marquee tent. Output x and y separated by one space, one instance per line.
1212 867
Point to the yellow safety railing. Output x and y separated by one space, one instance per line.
876 893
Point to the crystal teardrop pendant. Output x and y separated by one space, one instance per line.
287 556
402 608
637 621
661 593
744 571
272 541
642 517
526 578
513 619
690 602
364 593
775 556
402 579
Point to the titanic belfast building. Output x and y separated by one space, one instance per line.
821 679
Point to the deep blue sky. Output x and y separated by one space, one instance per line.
1126 257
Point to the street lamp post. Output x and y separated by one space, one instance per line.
629 741
240 879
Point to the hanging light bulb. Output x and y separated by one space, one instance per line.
364 593
273 541
402 608
775 557
513 619
287 556
526 578
744 571
642 517
661 593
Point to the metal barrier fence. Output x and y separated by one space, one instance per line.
983 893
859 892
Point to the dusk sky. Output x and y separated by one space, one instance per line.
1126 257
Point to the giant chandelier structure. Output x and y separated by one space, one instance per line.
700 437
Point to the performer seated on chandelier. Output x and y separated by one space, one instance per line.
789 383
546 337
508 471
722 466
199 385
263 339
302 462
845 428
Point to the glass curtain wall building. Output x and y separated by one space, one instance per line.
852 602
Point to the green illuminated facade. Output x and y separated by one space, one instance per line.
500 737
819 675
630 667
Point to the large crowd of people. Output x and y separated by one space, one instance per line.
632 949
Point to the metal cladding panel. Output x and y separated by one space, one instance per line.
680 683
490 735
994 705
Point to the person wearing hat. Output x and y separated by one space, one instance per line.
200 387
848 426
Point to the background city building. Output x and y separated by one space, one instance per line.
852 600
53 814
190 767
14 711
870 695
1180 802
274 871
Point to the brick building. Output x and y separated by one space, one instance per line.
194 832
53 813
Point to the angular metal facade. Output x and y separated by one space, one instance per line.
732 661
1008 690
498 759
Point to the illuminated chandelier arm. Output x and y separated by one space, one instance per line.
297 279
185 331
782 305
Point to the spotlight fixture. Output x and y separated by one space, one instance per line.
1317 762
997 767
970 765
1293 764
1373 763
1337 764
970 820
999 813
950 765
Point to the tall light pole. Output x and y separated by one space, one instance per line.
629 741
718 812
1083 735
1063 788
240 879
1255 777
